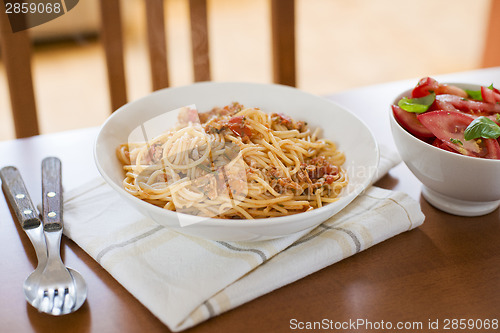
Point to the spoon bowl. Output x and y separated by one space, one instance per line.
30 287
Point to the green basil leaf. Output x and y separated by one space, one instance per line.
491 87
482 127
474 94
498 117
417 105
456 141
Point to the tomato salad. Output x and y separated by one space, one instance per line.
461 121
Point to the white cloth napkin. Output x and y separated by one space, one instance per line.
184 280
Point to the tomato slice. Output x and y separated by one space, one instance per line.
466 105
424 87
410 122
490 95
449 127
493 149
450 90
440 144
238 127
442 103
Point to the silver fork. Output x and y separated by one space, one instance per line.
56 290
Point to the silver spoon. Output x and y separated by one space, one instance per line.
25 211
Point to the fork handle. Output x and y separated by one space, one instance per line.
52 194
19 199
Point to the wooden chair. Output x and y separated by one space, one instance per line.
16 54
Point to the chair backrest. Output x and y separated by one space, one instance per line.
16 54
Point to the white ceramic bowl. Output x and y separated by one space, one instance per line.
349 133
454 183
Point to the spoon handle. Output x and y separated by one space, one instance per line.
27 215
18 197
52 194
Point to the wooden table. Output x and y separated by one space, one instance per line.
449 268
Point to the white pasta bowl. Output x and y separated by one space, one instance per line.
454 183
347 131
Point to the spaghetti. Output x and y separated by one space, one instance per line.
235 162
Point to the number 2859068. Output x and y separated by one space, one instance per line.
33 7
